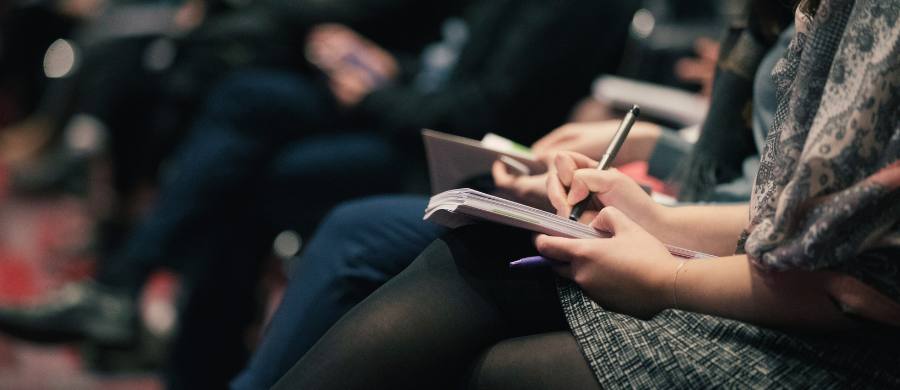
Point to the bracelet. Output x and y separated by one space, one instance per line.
675 284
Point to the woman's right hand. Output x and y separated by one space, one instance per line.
574 177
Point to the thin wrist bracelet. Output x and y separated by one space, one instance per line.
675 283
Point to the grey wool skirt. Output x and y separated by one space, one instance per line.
679 349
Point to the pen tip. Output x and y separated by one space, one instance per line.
636 109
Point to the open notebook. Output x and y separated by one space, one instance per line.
453 160
464 206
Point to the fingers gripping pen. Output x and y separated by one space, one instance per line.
614 145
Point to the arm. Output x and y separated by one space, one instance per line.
711 229
633 273
592 138
661 149
714 229
732 287
510 71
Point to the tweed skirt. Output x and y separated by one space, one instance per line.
679 349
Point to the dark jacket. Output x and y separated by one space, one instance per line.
524 66
399 25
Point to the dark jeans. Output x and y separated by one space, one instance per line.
358 247
268 152
223 266
245 126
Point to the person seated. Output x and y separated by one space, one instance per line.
267 138
811 296
361 244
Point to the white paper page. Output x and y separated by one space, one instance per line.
448 207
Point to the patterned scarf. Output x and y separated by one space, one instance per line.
726 137
826 196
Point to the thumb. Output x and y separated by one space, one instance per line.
502 177
614 221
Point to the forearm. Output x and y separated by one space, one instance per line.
732 287
638 146
710 229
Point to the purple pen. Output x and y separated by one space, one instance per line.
531 262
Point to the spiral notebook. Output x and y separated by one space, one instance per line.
464 206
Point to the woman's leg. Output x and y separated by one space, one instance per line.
542 361
360 245
426 326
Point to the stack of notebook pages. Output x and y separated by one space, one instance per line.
465 206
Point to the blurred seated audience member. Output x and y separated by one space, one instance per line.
42 61
142 69
803 289
662 35
137 80
361 244
26 30
267 141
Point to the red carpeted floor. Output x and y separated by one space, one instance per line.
43 243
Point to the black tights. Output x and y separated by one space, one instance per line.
457 317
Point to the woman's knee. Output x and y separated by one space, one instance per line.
370 238
541 361
368 213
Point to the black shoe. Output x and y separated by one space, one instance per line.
80 312
56 172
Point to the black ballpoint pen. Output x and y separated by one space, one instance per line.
614 145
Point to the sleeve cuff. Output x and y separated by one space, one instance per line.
670 149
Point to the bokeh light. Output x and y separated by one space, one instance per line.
61 59
643 23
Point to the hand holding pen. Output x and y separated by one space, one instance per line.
564 179
606 161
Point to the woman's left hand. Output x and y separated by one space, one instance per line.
632 272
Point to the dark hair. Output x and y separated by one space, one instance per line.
808 6
768 18
726 137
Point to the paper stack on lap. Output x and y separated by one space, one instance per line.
464 206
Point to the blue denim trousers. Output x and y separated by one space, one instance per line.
269 151
357 248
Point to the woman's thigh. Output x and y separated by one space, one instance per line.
541 361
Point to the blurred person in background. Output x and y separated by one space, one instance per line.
117 87
34 27
266 141
122 91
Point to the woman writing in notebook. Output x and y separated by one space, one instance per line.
809 298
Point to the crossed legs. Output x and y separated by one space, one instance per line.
458 316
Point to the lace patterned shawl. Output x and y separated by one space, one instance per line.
826 196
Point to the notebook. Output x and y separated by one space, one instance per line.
453 160
463 206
